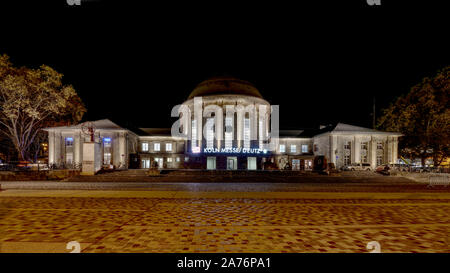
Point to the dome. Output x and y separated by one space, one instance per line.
224 86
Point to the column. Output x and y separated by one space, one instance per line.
357 149
58 150
51 147
373 152
395 149
240 125
253 127
76 148
198 116
218 123
333 147
389 150
122 152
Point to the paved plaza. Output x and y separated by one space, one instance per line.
245 218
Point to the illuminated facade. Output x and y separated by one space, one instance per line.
224 124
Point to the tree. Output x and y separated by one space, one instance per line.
423 116
31 99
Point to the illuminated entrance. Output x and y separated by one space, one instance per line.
231 163
251 163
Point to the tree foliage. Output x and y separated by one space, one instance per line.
423 116
31 99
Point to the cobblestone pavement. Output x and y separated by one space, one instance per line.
106 223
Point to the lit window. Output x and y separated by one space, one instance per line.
169 147
293 148
157 147
106 142
69 141
107 158
247 133
194 133
146 163
69 158
379 160
186 159
261 132
210 133
144 146
304 148
228 132
282 148
177 159
169 159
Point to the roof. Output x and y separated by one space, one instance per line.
98 124
347 128
156 131
224 86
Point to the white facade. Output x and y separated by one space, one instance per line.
237 118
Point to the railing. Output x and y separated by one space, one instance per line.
23 166
441 179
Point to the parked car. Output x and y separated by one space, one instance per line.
421 169
357 167
24 165
399 167
383 169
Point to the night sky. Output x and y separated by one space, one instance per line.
320 62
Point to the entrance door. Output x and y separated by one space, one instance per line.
211 163
159 161
231 163
296 164
145 163
251 163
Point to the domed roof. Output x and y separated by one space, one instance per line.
224 86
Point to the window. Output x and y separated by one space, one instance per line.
169 159
107 158
304 148
364 146
69 158
247 133
156 147
380 145
106 142
177 159
228 132
194 134
144 146
186 159
282 148
346 160
69 141
168 147
210 133
379 160
347 145
293 148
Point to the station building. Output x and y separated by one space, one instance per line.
223 137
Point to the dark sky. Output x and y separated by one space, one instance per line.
320 62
